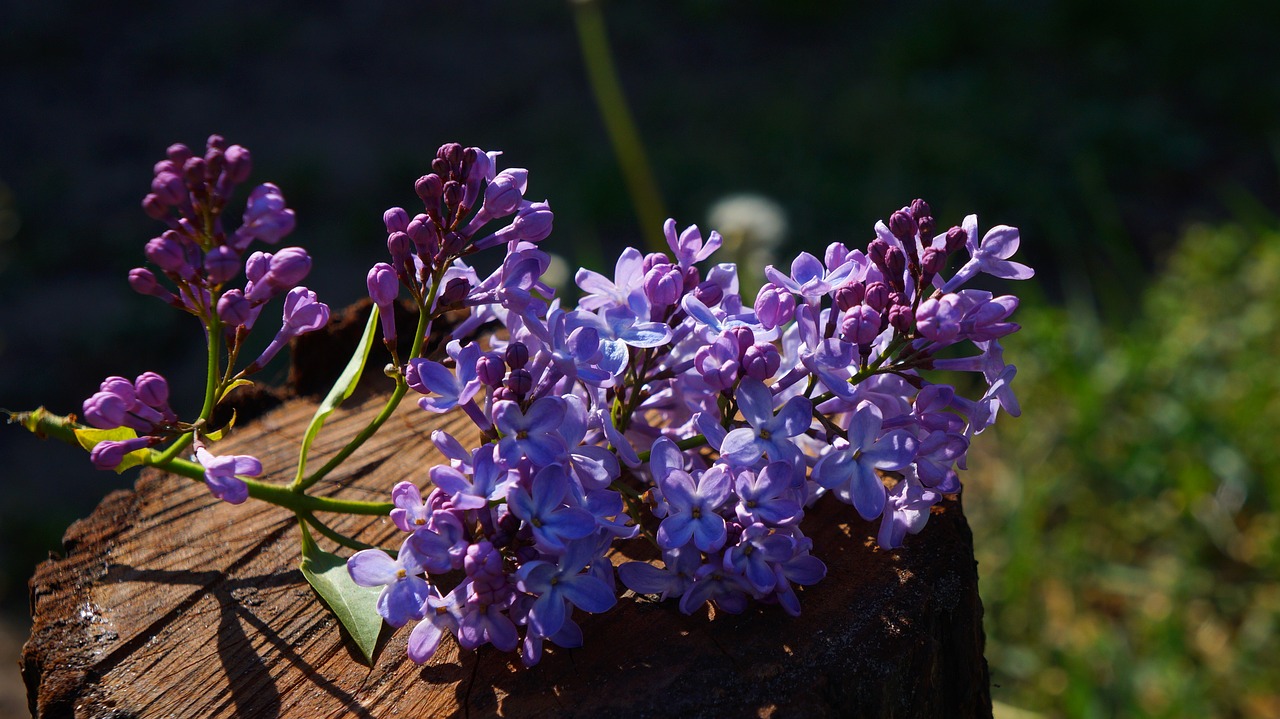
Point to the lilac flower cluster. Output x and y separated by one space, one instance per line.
198 258
666 405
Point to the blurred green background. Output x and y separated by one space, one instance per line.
1126 524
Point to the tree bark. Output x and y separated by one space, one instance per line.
166 602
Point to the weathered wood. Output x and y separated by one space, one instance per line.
167 602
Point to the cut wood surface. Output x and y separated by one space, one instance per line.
169 603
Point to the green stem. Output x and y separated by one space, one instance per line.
212 383
280 494
402 387
618 122
333 534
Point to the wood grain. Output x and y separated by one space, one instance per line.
169 603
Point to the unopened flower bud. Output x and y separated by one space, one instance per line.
450 152
877 296
178 153
265 215
215 161
742 338
453 191
167 253
490 369
453 245
216 142
520 381
933 260
775 306
239 164
708 293
152 390
956 237
504 195
257 265
895 264
399 247
835 255
105 410
143 281
234 310
502 393
876 252
221 264
455 292
761 361
850 295
861 325
289 267
429 188
169 188
423 233
154 206
654 259
193 170
396 220
901 317
903 225
109 454
383 285
533 223
663 285
517 355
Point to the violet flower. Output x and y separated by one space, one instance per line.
768 434
850 470
562 583
220 474
404 593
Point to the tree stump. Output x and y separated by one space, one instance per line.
169 603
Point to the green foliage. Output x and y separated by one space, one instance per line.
1127 529
354 606
88 437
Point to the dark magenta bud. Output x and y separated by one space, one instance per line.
502 393
663 285
877 296
895 264
861 325
289 266
399 246
850 296
761 361
194 170
152 390
216 142
691 278
395 219
383 285
919 208
215 161
956 238
903 225
519 381
454 244
654 259
221 264
901 318
933 260
169 188
455 292
743 338
429 188
451 152
178 153
453 191
490 369
517 355
155 208
876 251
167 253
239 164
709 293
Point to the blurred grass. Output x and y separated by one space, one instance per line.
1127 527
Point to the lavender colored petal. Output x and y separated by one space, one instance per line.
424 640
588 593
894 451
867 491
794 417
755 401
740 447
372 568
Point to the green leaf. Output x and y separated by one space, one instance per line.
217 435
354 606
89 437
233 387
342 389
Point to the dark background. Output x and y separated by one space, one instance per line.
1101 129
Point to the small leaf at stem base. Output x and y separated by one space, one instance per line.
354 606
89 437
